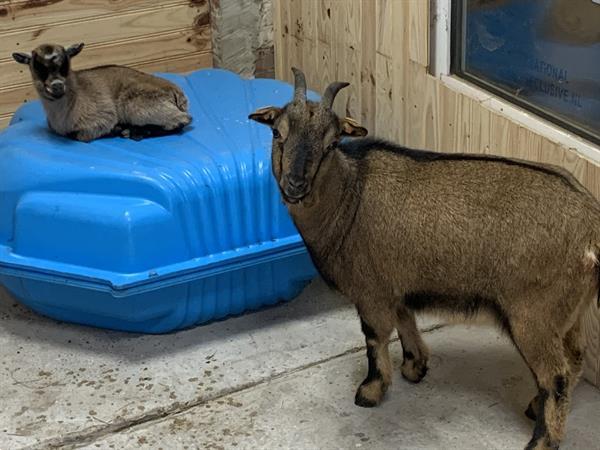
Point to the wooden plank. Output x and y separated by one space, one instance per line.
279 40
347 56
368 65
352 60
297 33
591 331
128 51
500 130
418 14
309 49
10 100
324 26
15 15
417 123
105 29
181 64
385 25
4 121
400 82
449 121
464 124
384 70
479 141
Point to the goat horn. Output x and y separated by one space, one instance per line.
331 92
299 85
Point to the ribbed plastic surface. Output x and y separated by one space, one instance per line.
155 235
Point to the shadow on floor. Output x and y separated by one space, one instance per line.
23 323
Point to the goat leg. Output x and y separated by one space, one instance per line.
414 350
379 376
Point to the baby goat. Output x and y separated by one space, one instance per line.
102 101
400 231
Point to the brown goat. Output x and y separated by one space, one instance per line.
400 231
103 101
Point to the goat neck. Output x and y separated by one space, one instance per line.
326 215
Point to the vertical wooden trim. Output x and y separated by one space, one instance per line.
419 31
368 64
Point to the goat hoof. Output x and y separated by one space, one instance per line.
363 402
414 371
542 444
370 394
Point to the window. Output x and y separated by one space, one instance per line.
541 54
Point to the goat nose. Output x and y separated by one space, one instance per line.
295 187
57 86
296 183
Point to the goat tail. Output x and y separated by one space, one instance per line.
598 295
596 261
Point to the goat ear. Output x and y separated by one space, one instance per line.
266 115
74 49
22 58
350 127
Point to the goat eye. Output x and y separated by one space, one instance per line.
64 68
276 133
41 70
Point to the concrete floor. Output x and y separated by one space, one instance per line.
280 378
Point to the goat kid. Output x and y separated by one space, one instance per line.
401 231
105 100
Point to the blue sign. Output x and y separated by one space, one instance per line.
545 53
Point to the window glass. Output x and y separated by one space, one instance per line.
541 54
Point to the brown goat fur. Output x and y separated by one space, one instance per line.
401 231
102 101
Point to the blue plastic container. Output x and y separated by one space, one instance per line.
156 235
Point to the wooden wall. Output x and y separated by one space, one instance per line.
381 47
150 35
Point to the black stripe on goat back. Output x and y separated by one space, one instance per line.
360 148
103 66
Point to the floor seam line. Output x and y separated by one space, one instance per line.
81 438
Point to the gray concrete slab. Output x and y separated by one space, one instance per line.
62 382
473 398
279 378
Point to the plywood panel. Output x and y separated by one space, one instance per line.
180 64
18 15
4 121
126 51
398 22
419 31
367 65
104 28
480 129
277 35
592 336
323 36
402 102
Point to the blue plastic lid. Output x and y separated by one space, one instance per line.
132 216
